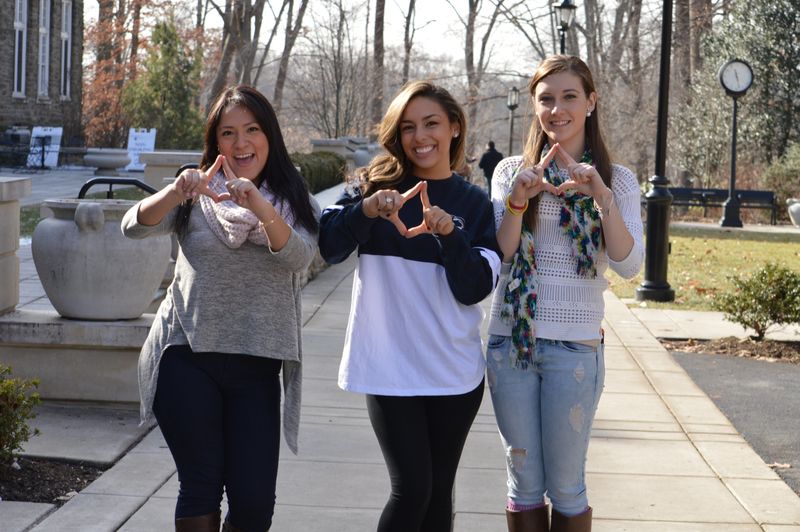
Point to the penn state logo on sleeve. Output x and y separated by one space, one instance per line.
459 222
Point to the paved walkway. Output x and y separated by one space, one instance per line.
662 456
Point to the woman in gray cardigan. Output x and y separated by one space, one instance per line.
231 319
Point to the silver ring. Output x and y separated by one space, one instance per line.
390 201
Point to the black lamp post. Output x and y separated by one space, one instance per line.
565 15
655 287
512 103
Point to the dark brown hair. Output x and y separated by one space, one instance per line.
284 180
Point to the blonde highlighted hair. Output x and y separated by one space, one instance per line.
387 170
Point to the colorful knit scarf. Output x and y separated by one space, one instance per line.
580 221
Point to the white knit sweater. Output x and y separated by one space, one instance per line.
569 306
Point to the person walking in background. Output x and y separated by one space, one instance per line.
488 162
565 214
231 319
427 255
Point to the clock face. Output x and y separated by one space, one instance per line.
736 76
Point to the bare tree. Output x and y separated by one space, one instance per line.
377 63
408 38
701 13
268 44
328 78
476 71
292 31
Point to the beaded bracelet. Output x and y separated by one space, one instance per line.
515 210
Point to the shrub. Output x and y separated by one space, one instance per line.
16 408
320 169
771 296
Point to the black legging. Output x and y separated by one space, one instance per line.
220 416
422 438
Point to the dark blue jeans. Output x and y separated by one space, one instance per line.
220 416
422 438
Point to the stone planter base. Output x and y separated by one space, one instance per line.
106 160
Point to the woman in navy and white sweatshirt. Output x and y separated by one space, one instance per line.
427 255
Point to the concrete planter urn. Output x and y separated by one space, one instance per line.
106 160
794 210
88 268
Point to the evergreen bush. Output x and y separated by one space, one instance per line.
17 401
321 170
770 296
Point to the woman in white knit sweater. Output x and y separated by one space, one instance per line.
564 215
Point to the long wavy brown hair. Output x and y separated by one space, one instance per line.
537 138
387 170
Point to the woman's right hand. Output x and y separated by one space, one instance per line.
193 182
387 204
530 181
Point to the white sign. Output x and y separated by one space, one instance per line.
139 140
45 145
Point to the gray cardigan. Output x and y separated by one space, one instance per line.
244 300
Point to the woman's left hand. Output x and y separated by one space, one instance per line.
583 178
435 220
242 191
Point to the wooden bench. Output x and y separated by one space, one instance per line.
716 197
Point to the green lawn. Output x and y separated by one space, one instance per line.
29 216
702 261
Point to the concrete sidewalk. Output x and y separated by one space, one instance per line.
662 456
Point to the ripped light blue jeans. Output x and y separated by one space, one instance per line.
545 413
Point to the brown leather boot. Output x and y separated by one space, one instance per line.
528 520
576 523
201 523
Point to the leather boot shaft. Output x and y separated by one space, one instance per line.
576 523
201 523
528 520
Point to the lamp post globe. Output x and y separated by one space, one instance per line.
565 15
512 102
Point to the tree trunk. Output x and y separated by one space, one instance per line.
136 25
228 49
475 71
292 31
681 45
377 63
268 45
701 12
408 40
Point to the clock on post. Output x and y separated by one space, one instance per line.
735 76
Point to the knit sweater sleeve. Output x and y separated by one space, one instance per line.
131 227
627 196
502 181
300 249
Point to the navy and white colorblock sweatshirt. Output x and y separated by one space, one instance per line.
414 319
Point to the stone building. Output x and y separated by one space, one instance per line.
41 50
